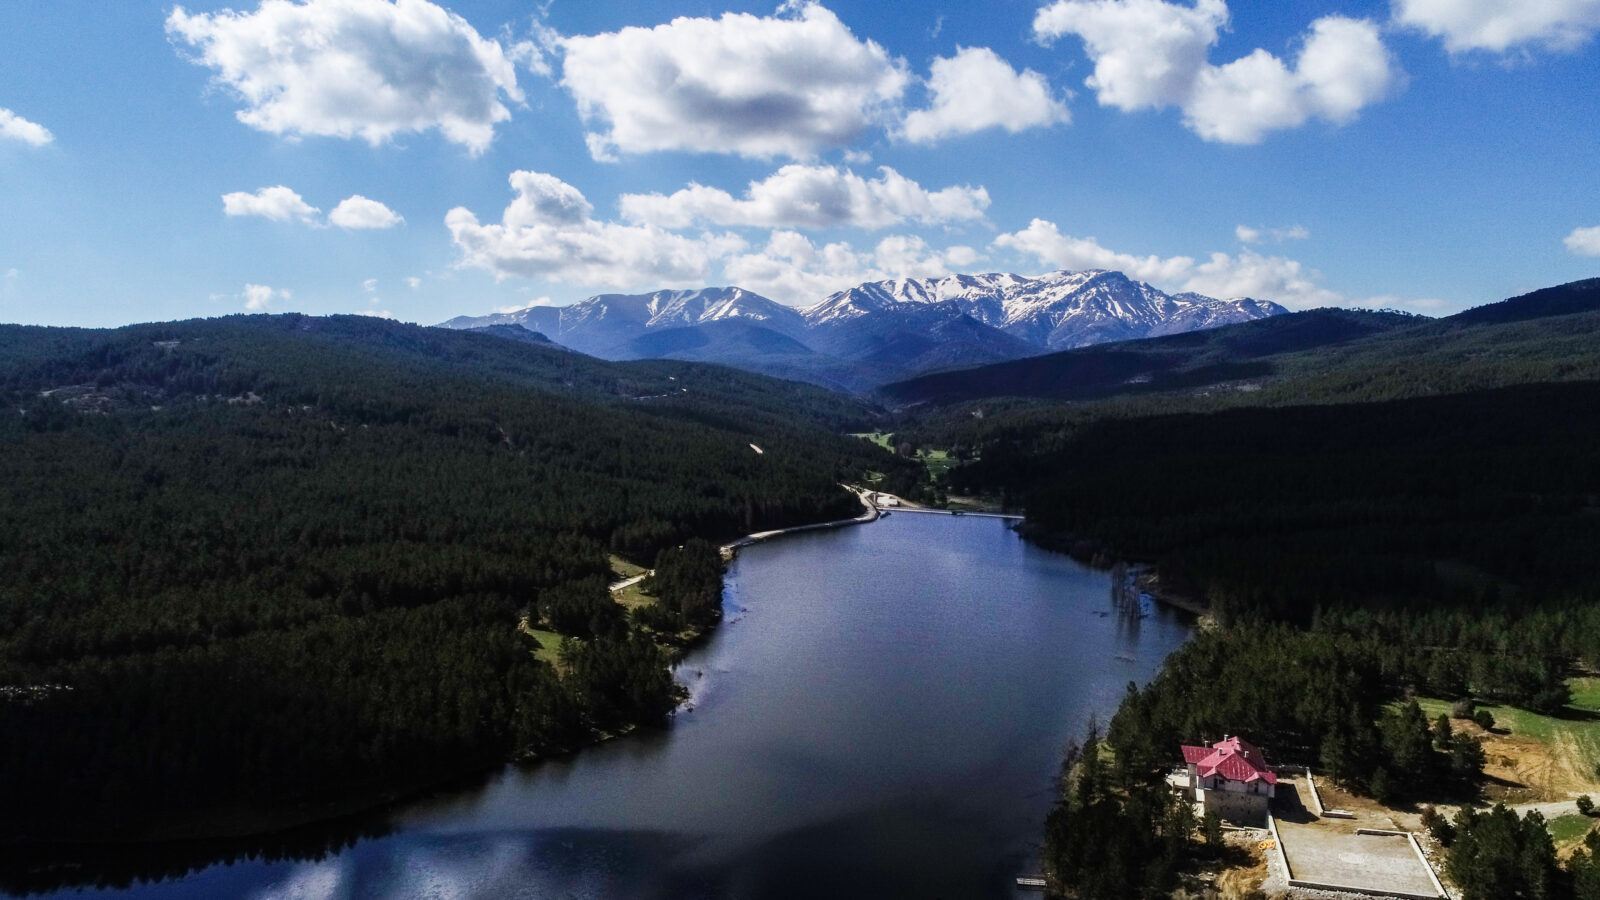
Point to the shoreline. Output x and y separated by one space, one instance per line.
236 828
1099 556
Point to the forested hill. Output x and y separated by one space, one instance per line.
1174 362
1317 356
1562 300
257 569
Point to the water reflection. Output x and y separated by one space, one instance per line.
881 715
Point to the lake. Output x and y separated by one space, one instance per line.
881 714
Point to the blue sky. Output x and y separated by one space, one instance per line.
423 160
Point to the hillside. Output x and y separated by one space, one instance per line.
278 563
1227 353
1329 355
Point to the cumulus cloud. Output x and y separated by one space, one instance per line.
1499 26
1043 241
1248 234
16 128
976 90
809 196
1250 274
792 84
791 269
280 204
414 282
1150 54
358 68
259 297
549 231
357 212
1584 241
1246 274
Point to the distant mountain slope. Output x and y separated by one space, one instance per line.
1152 364
1328 355
886 330
1565 299
516 333
607 324
1056 311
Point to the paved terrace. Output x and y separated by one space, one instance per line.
1330 852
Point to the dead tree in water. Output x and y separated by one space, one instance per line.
1124 595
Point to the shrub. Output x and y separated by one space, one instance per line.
1586 805
1483 719
1461 709
1381 788
1439 826
1211 828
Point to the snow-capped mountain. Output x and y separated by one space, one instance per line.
604 325
882 330
1057 311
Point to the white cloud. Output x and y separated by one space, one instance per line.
1150 54
377 314
1043 241
977 90
370 285
1247 274
807 196
414 282
280 204
1248 234
259 297
13 274
790 269
1584 241
16 128
358 68
1498 26
549 231
792 84
518 307
356 211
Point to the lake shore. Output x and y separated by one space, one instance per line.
356 807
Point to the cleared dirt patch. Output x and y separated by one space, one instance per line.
1537 758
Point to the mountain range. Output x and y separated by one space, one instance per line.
880 331
1319 355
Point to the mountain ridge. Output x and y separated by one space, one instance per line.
1332 351
881 331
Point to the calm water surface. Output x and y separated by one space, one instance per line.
880 715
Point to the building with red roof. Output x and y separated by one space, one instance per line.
1232 779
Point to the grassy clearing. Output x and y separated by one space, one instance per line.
1570 828
881 438
1553 755
937 461
633 596
1586 693
621 568
549 645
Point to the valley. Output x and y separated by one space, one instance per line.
416 456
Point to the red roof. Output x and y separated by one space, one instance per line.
1233 759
